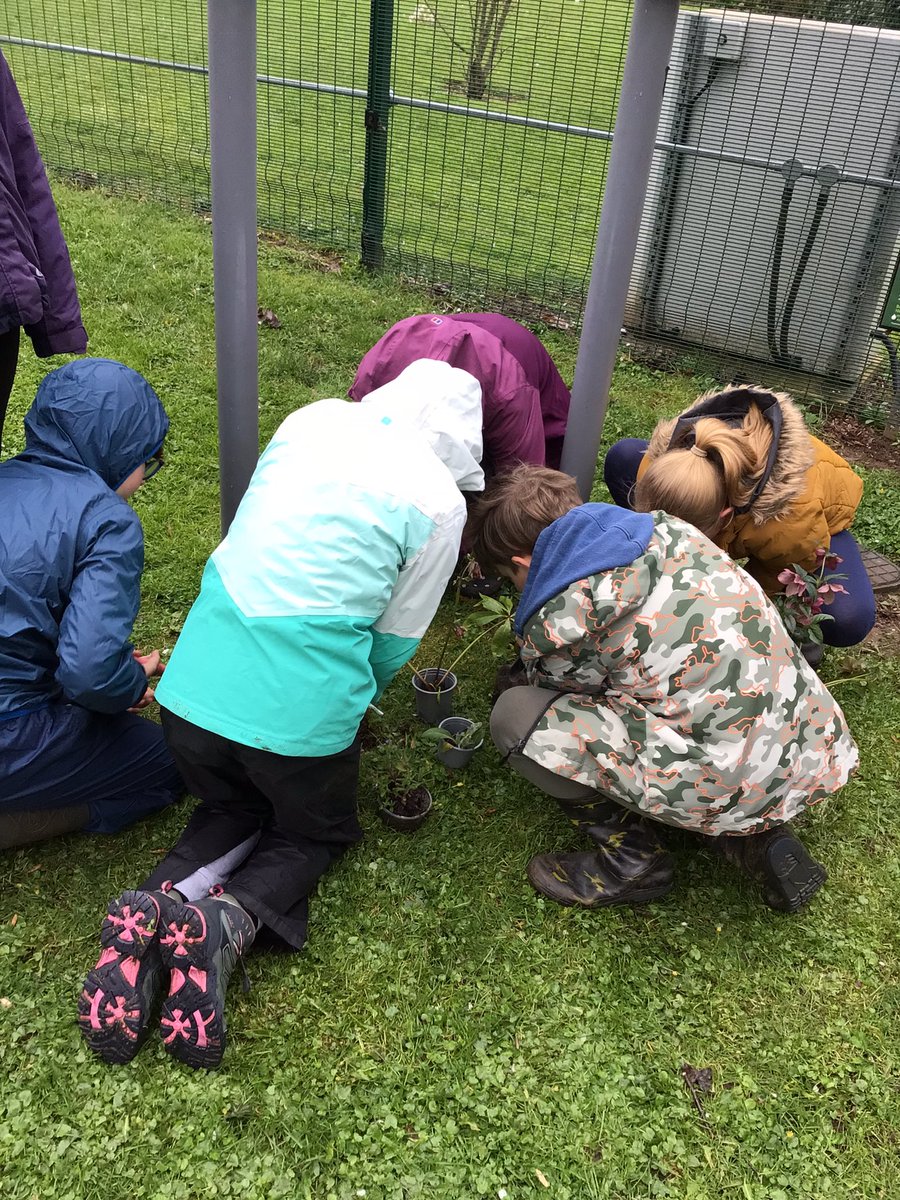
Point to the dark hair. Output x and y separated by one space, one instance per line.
516 507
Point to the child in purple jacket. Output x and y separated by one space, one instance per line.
37 287
524 401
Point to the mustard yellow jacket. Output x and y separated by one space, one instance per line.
811 494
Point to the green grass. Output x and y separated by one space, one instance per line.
485 206
446 1034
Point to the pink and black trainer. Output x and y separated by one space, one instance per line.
201 945
122 991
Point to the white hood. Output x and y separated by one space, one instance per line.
443 404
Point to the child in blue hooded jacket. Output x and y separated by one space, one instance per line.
73 756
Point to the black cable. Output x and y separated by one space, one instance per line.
787 314
888 342
780 228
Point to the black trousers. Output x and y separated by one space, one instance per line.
9 358
304 809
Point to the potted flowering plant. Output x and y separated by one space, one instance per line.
806 594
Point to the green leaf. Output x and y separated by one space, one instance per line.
501 639
492 604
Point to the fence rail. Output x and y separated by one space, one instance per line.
505 216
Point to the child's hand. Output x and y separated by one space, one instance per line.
148 697
152 664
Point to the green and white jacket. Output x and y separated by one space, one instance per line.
333 566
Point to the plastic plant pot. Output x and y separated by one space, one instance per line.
433 702
403 821
456 757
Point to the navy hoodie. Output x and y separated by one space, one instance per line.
584 541
71 550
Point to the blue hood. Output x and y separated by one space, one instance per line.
585 541
97 413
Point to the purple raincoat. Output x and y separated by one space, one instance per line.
37 287
523 397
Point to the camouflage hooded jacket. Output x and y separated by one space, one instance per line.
685 698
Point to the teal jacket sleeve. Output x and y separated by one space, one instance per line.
388 654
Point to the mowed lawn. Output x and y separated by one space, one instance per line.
447 1035
476 204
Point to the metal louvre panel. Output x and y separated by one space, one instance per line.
818 94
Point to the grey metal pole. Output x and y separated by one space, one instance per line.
640 102
232 138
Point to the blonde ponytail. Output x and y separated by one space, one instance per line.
719 471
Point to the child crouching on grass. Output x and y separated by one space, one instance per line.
665 691
331 571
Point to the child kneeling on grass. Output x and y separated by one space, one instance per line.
330 574
74 756
664 687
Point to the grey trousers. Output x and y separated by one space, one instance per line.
513 719
22 828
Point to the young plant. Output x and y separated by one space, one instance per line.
805 594
468 738
493 618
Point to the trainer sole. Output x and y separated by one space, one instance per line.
117 999
192 1020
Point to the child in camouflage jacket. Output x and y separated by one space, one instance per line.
664 686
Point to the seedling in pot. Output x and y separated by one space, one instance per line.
494 619
467 735
406 809
456 740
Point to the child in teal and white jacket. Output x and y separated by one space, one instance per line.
330 574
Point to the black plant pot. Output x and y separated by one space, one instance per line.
433 704
403 823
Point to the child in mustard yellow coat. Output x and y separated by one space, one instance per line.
741 466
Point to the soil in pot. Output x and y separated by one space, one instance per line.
406 809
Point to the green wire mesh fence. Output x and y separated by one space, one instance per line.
464 144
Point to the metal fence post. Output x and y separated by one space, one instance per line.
378 103
232 137
637 118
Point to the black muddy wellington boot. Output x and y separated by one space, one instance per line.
628 866
779 861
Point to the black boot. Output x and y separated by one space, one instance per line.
201 944
779 861
629 865
508 675
813 652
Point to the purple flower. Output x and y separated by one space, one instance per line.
827 561
828 591
794 584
